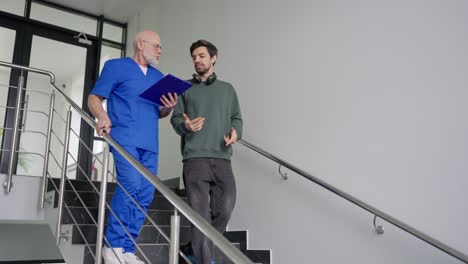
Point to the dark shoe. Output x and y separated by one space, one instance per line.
187 250
192 259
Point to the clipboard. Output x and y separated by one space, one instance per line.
168 84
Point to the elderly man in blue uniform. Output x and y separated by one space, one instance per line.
133 123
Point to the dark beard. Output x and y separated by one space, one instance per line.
201 72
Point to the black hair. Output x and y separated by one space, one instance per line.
212 50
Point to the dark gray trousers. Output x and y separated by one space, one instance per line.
211 191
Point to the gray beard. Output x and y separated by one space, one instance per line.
151 61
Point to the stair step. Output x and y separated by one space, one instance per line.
91 200
150 240
148 234
237 237
259 256
81 215
80 185
86 186
159 254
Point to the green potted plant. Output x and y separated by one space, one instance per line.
22 158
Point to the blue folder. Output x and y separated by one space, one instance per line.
168 84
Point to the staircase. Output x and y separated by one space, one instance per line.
80 225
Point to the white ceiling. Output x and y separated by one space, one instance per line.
118 10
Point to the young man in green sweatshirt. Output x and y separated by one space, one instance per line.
209 121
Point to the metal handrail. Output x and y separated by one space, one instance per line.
199 222
413 231
24 109
30 153
26 131
81 141
29 90
8 86
52 132
29 69
59 116
55 159
9 179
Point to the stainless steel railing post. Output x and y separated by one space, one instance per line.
58 232
175 231
47 148
102 205
14 137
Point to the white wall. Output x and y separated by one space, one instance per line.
366 95
22 203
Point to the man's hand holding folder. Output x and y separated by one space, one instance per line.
168 103
168 86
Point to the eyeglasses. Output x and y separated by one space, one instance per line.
157 46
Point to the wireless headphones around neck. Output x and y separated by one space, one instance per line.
211 79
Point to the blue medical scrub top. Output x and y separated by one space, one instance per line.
134 120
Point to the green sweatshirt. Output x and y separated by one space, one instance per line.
219 105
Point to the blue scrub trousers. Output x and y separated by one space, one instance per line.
139 188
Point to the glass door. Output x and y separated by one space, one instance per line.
74 64
45 35
68 63
7 46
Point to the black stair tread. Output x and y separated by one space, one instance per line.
159 254
239 237
149 240
91 200
160 217
148 234
79 185
259 256
157 244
